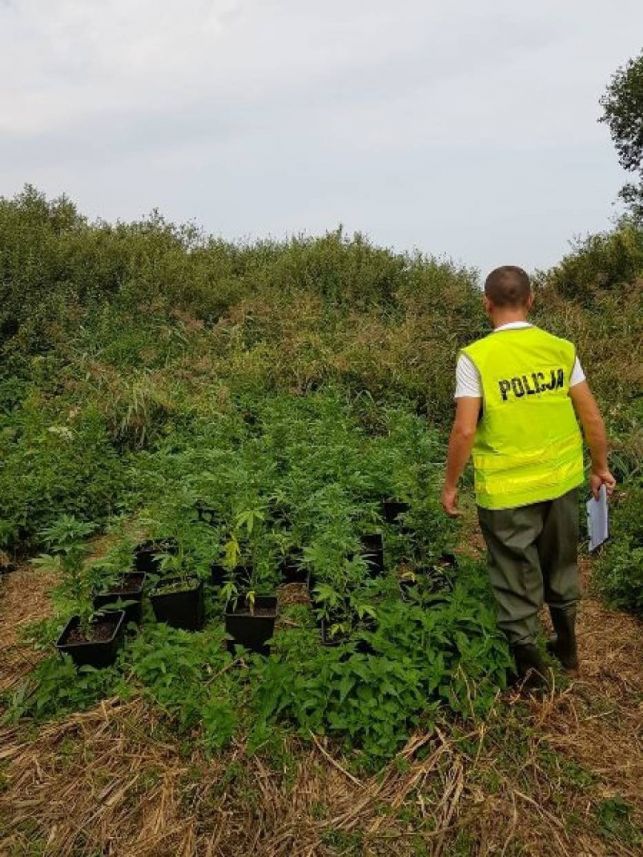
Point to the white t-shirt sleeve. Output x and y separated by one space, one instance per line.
577 374
467 378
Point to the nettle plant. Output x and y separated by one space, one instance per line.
67 554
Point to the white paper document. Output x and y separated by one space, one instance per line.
597 523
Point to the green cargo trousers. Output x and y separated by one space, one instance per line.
532 556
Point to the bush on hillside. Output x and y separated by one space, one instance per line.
600 262
619 571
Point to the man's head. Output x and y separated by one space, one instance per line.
507 291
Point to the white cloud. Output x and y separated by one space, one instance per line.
275 115
66 59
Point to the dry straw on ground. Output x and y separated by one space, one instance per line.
115 781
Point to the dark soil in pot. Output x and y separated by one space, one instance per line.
293 572
179 603
145 553
101 648
252 629
392 509
129 588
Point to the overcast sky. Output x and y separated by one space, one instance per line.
458 127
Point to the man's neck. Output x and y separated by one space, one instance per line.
500 318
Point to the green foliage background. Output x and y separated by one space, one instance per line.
145 365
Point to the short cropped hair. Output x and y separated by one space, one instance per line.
508 286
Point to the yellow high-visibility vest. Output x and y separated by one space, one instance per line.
528 446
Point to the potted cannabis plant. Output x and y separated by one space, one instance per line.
177 596
291 561
250 619
251 605
392 509
430 583
340 601
207 514
124 591
90 637
251 575
148 554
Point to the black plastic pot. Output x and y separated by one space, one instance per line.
252 631
373 552
145 558
392 509
120 592
93 653
218 574
293 572
181 608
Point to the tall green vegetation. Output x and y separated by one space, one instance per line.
289 387
113 338
623 112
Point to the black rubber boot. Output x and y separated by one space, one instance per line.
531 671
563 645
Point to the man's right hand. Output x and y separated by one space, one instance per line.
601 477
449 501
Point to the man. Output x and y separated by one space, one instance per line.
518 393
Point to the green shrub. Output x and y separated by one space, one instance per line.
291 386
185 674
600 262
56 687
618 574
417 661
53 464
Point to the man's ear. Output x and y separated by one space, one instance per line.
530 301
488 306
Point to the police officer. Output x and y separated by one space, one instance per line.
519 392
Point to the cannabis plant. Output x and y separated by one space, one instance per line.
65 539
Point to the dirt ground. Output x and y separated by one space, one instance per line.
548 777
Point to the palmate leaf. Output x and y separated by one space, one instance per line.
247 519
363 610
46 561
